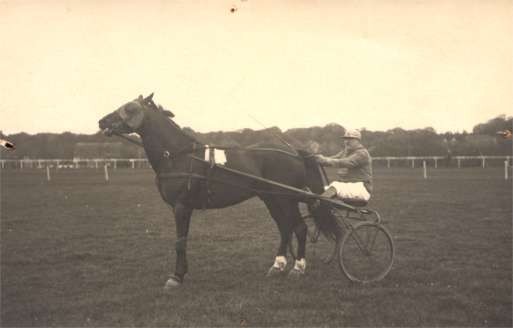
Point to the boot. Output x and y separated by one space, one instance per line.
328 193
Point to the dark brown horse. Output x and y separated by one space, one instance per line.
187 182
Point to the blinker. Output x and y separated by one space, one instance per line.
133 121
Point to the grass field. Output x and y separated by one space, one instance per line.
79 251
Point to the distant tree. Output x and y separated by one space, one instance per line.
498 123
393 142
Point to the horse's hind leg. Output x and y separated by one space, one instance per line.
182 219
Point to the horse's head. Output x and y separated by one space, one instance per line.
130 117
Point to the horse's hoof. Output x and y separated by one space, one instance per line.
172 283
295 273
274 271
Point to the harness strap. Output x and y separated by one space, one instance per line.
205 191
180 175
190 170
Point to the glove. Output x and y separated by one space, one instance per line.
330 161
321 159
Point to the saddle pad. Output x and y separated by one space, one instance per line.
219 155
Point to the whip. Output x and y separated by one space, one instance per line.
275 135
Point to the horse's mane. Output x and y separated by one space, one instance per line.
166 118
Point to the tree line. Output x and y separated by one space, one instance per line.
483 140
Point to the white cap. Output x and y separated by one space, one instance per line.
352 134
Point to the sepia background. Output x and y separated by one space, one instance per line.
290 64
86 240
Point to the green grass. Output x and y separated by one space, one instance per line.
79 251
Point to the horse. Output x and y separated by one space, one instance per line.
187 182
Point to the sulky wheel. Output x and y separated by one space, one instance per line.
366 252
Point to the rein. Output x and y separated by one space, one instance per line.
194 148
135 142
166 153
196 145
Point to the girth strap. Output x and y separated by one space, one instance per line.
204 180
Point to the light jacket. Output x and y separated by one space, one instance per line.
358 165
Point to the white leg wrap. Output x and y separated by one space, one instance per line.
280 262
300 265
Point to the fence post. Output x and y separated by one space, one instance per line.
48 172
483 162
105 168
425 170
436 163
413 163
459 163
115 164
506 170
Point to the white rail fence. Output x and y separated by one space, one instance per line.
435 160
75 163
134 163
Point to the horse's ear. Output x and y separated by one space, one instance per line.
150 97
140 98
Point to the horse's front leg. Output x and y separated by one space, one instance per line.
182 220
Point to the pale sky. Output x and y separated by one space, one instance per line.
373 64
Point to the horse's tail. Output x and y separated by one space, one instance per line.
315 181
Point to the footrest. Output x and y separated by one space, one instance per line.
355 202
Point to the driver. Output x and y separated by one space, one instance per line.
355 174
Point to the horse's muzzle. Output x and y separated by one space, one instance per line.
106 126
102 124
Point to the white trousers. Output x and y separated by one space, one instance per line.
351 190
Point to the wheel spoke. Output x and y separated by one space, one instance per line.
371 246
358 241
366 252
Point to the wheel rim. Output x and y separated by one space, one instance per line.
366 253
